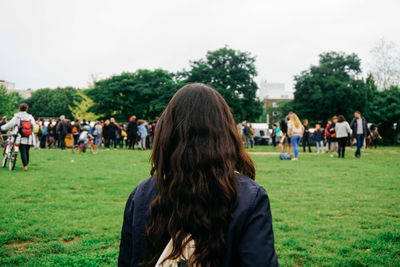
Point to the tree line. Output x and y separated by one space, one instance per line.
334 86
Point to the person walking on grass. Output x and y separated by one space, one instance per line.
318 136
201 207
375 136
306 137
295 132
22 125
251 136
343 131
142 128
285 140
333 144
360 131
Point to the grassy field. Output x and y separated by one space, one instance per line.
67 210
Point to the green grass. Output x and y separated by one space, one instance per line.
67 209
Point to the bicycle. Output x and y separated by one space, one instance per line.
10 152
82 148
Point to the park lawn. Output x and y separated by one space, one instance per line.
67 209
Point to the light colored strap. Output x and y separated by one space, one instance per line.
186 254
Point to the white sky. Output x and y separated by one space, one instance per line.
59 43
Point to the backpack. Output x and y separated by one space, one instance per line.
44 130
75 130
285 156
25 128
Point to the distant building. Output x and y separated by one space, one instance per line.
7 85
11 89
271 93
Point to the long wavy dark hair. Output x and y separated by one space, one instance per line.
197 150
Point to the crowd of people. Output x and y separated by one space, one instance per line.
108 133
332 137
64 133
290 132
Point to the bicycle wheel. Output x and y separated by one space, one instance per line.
5 159
77 149
94 149
12 161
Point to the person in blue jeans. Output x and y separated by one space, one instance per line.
360 130
295 132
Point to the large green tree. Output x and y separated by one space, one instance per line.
332 87
53 102
144 93
8 102
230 72
384 110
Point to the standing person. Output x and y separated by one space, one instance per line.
142 128
360 131
306 136
56 135
114 132
76 129
205 169
108 133
375 136
278 132
37 134
251 135
319 138
273 135
246 134
62 130
121 134
333 144
132 131
43 138
98 133
295 131
342 130
22 125
285 140
3 122
326 135
51 131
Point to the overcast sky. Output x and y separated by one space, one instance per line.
58 43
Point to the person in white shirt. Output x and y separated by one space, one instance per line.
343 131
22 125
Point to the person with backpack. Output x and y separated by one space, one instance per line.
76 129
22 125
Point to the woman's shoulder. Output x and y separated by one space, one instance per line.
144 191
248 192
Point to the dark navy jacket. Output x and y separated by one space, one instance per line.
250 238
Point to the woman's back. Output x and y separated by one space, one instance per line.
196 192
250 238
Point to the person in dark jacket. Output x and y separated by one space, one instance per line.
285 140
306 137
132 132
62 130
108 134
318 136
216 206
360 129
